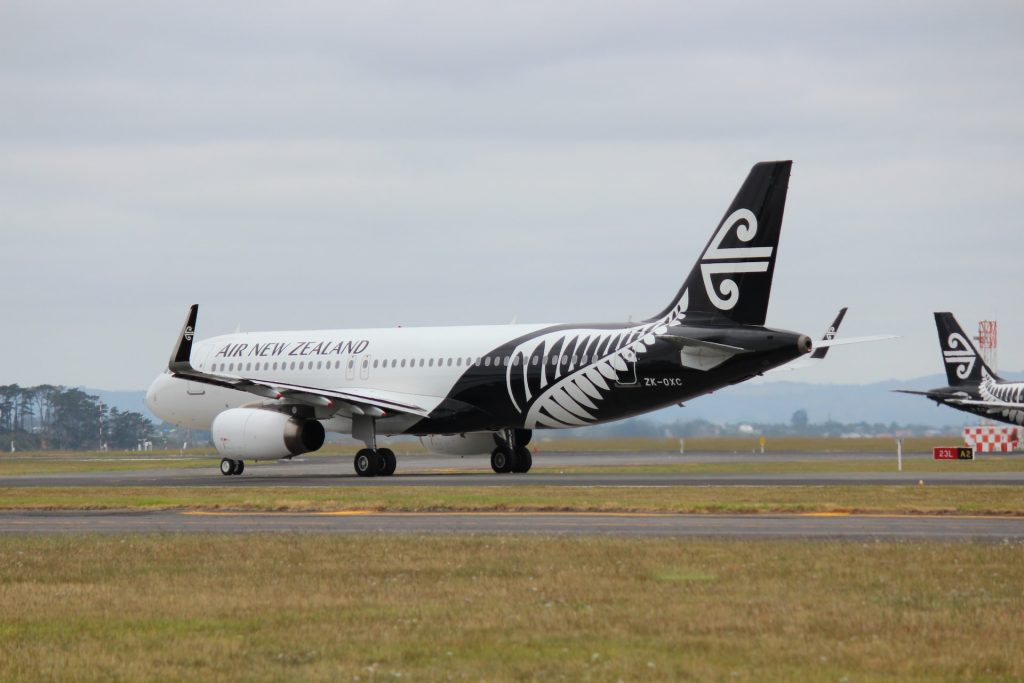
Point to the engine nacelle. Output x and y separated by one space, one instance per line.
470 443
254 434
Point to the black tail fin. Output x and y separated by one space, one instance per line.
733 276
830 334
962 360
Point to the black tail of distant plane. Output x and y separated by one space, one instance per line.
962 360
733 276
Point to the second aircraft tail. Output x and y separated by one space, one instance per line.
963 362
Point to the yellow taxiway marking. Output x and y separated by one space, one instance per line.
566 513
364 513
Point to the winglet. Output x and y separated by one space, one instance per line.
182 354
830 334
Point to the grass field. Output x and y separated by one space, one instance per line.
972 500
310 607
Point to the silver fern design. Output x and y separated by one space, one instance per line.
959 353
1008 392
559 379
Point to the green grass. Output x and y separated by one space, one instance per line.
984 463
973 500
314 607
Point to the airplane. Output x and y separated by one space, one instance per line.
973 386
485 389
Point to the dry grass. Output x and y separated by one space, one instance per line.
310 607
974 500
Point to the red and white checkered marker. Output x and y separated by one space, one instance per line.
991 439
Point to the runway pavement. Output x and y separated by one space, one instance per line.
818 527
418 470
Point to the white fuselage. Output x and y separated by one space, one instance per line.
422 363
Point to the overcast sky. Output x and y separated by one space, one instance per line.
331 165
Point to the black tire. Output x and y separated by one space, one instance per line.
366 463
239 467
524 460
227 466
388 462
501 460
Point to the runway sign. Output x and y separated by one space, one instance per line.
953 453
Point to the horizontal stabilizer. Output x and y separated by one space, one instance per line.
698 354
827 343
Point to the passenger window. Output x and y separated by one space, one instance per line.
293 365
458 361
554 360
403 362
394 362
421 362
534 360
319 364
351 363
431 363
302 364
487 361
275 366
515 361
507 359
366 363
565 360
374 363
449 362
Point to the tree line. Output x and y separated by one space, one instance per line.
48 417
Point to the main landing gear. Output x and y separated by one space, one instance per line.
229 466
511 454
371 461
379 462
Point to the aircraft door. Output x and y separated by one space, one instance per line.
350 368
364 367
199 361
628 378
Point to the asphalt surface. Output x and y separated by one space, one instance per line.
823 527
419 470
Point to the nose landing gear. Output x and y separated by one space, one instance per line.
229 466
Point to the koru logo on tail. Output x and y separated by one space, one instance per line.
719 261
959 353
188 333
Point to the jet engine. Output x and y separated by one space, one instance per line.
470 443
256 434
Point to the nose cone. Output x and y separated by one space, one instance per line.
153 395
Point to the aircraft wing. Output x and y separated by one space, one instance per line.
372 402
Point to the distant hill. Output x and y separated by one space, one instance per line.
759 401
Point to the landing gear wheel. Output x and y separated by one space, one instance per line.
239 467
501 460
388 462
366 462
524 460
227 466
